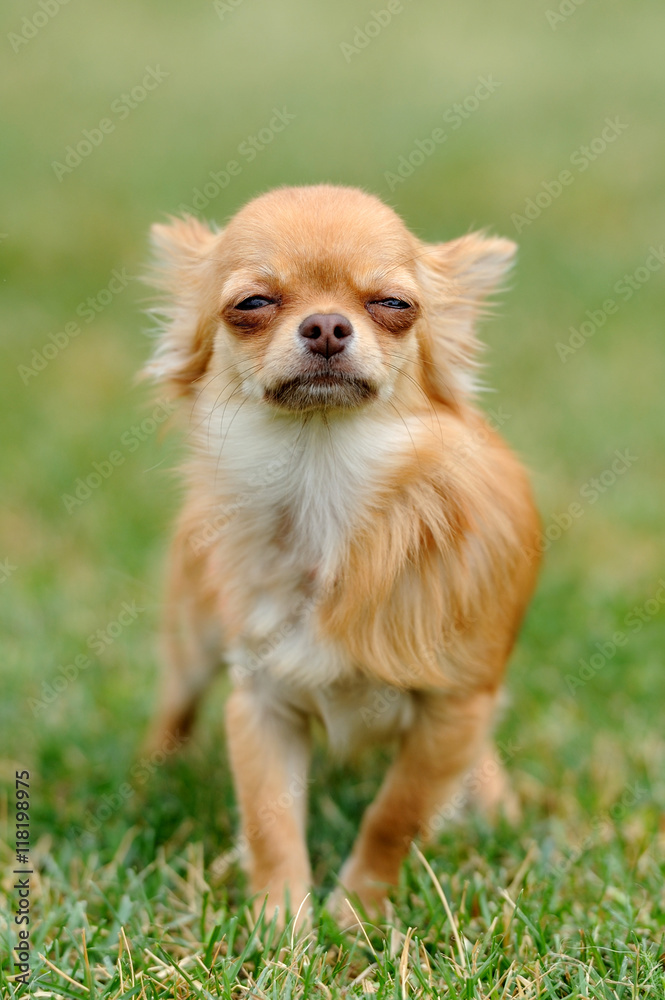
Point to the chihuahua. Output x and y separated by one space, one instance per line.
357 544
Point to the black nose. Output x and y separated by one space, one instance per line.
326 333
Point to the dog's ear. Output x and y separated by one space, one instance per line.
457 278
182 253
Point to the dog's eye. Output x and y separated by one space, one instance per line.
393 314
254 302
391 303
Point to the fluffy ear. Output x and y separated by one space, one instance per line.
457 278
185 315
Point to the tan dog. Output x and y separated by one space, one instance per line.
356 543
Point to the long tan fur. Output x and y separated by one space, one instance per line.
357 549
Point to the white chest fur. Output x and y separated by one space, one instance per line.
298 488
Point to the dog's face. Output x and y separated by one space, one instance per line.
320 298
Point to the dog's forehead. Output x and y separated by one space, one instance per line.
320 234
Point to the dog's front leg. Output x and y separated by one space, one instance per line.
269 753
447 736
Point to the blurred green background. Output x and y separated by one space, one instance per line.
360 104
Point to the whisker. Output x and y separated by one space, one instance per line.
326 424
406 426
305 423
472 364
208 415
438 368
244 400
421 361
243 376
205 386
429 401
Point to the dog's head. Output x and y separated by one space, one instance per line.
320 298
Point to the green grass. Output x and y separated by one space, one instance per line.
135 885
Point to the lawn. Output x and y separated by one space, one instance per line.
551 118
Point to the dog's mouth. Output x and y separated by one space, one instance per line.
321 390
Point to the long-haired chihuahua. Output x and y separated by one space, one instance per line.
357 544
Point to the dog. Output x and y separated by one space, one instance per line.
357 544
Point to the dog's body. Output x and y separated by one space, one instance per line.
357 543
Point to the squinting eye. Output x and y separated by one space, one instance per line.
254 302
392 303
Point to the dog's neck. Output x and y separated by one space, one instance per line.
315 473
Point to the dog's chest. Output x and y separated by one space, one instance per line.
299 500
300 492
